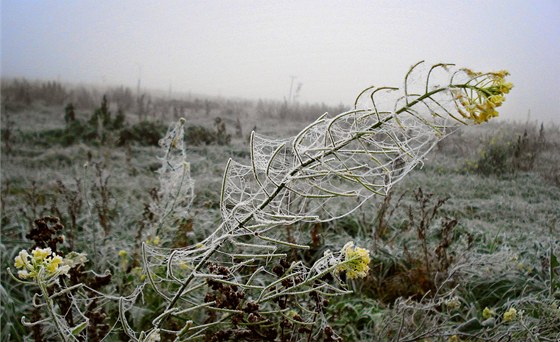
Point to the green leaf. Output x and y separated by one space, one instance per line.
78 328
471 325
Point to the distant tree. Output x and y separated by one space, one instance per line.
238 128
119 121
102 115
6 132
69 114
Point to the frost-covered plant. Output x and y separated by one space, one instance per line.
242 281
44 269
176 189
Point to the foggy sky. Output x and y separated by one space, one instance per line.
251 49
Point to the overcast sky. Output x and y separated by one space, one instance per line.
251 49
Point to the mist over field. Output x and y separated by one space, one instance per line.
253 49
238 171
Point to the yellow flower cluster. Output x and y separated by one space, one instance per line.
155 241
487 313
42 263
478 102
510 315
356 261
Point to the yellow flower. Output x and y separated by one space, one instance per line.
510 315
52 264
51 268
39 254
137 271
356 261
154 241
487 313
504 87
454 338
292 313
21 260
43 259
496 100
478 102
122 253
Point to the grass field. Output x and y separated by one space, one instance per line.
463 249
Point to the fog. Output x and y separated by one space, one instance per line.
262 49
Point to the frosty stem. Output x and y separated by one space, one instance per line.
50 309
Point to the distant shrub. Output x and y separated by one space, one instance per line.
527 149
500 156
222 137
495 158
75 132
101 114
69 113
119 120
145 133
199 135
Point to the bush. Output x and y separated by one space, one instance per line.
198 135
500 156
145 133
495 158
